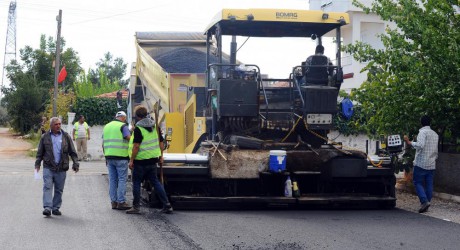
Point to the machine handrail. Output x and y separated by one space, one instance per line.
297 85
276 80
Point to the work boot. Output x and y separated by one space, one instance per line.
47 212
123 206
424 207
134 210
167 209
57 212
114 205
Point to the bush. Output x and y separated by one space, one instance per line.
85 88
97 111
34 139
63 105
3 117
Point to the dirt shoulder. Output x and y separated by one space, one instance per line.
12 146
440 208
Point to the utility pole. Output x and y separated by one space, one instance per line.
57 61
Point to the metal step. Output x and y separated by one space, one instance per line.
317 201
341 199
382 171
170 170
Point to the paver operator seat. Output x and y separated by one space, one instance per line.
318 72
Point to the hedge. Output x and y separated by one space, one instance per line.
97 111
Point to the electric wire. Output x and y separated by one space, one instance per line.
98 15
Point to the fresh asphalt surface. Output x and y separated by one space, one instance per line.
88 222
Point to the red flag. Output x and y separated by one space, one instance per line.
62 75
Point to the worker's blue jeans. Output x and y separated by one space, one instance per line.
118 174
147 172
56 180
423 182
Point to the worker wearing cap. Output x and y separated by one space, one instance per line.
116 137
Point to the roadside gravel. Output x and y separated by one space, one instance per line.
441 209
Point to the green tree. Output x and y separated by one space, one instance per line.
39 62
25 103
419 70
85 88
26 97
4 119
353 125
114 69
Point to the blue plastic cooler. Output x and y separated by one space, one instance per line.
277 161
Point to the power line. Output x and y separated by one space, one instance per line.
119 14
78 12
31 6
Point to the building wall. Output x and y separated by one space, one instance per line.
447 174
94 144
339 6
363 28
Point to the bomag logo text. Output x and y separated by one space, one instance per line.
286 15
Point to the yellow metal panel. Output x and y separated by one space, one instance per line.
199 127
154 78
279 15
194 126
179 84
175 129
189 120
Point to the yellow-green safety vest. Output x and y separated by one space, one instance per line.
150 146
113 142
76 129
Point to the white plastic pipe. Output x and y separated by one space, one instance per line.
185 158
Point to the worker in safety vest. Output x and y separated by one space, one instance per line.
144 153
81 136
115 139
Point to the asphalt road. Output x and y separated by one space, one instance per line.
88 222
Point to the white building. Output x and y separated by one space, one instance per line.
363 27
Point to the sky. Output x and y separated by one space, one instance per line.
94 27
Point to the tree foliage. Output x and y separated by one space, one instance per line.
64 103
113 69
85 88
4 119
353 125
30 81
39 62
24 115
417 73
